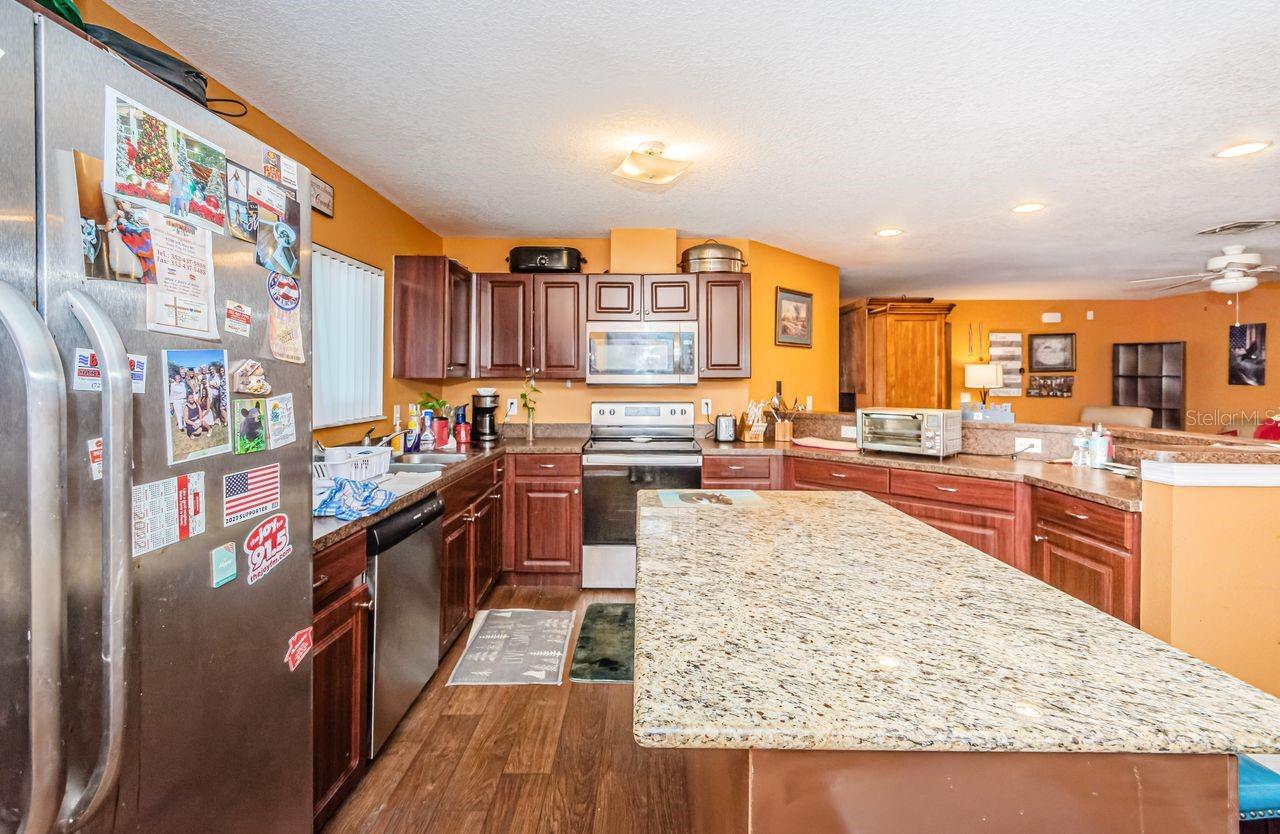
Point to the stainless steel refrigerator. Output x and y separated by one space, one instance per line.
134 695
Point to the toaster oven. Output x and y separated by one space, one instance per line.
913 431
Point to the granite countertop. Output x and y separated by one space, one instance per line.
326 532
1090 484
829 620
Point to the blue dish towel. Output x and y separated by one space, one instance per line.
349 500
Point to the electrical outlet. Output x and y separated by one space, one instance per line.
849 432
511 406
706 407
808 403
1027 445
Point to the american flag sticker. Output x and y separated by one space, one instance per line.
250 493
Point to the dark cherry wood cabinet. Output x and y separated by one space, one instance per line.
505 331
471 548
560 326
994 532
614 297
1088 550
431 317
339 711
455 576
805 473
980 512
670 297
724 325
486 552
548 525
741 471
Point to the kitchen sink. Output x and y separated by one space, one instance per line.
418 467
443 458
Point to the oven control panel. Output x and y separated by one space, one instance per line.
643 414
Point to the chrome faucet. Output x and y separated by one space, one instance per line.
386 441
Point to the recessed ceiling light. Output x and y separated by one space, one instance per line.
1243 149
889 232
647 164
1027 208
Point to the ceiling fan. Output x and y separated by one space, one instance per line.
1234 271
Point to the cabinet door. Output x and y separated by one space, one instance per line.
917 357
506 325
458 340
614 297
486 554
548 525
420 320
455 569
724 325
560 316
339 663
1104 577
994 532
670 298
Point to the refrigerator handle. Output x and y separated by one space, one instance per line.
117 583
46 414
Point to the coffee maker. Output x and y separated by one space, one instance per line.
484 426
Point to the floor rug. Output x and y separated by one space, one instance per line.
606 644
515 646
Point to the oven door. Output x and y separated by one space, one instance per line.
890 431
609 486
642 353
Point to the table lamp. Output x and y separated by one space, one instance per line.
984 378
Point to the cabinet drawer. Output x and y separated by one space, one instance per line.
736 467
335 568
730 483
820 474
1087 518
462 493
953 489
548 466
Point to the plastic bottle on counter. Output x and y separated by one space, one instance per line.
397 439
411 439
1099 446
461 428
426 431
1080 448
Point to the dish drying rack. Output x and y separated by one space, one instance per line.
366 463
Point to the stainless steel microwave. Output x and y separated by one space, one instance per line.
914 431
642 352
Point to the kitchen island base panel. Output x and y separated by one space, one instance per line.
876 792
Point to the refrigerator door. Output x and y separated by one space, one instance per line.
17 536
217 734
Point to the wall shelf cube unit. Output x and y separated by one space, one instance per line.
1151 375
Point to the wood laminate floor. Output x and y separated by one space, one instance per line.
520 758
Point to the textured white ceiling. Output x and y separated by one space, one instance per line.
811 124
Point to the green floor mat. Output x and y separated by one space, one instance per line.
606 644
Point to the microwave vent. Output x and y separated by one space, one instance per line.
1239 227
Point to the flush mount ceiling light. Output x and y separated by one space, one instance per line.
889 232
647 164
1027 208
1243 149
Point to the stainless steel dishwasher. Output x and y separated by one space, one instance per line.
404 578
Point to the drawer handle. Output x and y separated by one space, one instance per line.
1039 538
731 466
367 604
575 492
546 466
838 475
323 578
497 496
946 489
1080 516
470 519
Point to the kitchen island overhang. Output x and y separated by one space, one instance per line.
813 638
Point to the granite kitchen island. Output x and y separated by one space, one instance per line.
841 666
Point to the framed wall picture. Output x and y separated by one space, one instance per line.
1051 352
1247 354
793 323
321 196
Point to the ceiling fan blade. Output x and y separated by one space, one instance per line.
1196 275
1268 268
1172 287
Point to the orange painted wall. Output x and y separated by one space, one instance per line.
1200 319
366 226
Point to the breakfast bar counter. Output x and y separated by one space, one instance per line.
828 623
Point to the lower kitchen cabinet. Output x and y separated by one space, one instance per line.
339 712
455 570
741 471
994 532
486 554
470 548
547 524
807 473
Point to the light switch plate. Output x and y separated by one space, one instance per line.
849 432
1027 445
706 407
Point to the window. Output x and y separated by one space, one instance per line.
346 310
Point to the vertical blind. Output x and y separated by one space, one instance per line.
346 380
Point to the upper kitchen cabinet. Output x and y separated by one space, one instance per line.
560 326
670 297
896 352
724 326
614 297
505 326
431 317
